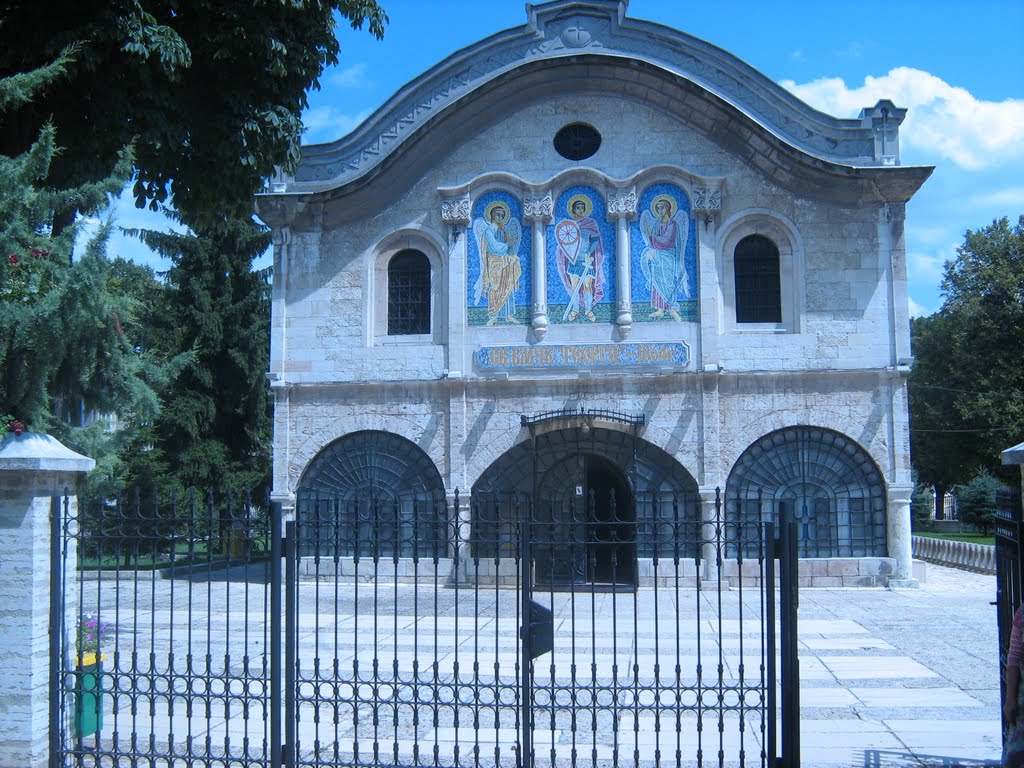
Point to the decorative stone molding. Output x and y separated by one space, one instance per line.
455 212
707 202
279 210
281 236
559 30
539 208
622 203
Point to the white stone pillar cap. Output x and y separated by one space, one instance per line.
35 452
1014 455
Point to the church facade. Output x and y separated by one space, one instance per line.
594 257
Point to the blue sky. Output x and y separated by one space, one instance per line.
958 68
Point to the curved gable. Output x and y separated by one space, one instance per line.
565 30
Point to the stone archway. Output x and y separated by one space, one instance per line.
372 493
820 479
602 501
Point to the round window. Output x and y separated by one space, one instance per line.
577 141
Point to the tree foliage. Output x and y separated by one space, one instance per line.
210 91
216 426
967 386
66 364
977 502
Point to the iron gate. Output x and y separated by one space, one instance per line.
1009 530
388 631
531 634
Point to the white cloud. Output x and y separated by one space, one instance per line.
353 76
927 267
1011 198
916 310
943 120
328 123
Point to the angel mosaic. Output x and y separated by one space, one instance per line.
665 229
498 235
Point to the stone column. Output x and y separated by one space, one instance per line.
899 536
622 208
707 205
455 215
538 212
33 469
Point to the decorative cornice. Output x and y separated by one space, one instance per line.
279 210
455 211
569 28
895 211
707 202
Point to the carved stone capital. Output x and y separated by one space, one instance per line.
895 212
281 236
622 202
707 202
455 212
279 210
539 208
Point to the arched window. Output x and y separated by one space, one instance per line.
817 478
372 494
408 294
758 294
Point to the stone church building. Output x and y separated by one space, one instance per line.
594 258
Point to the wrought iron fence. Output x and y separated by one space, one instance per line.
391 632
1009 534
165 652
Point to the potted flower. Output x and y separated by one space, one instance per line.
89 637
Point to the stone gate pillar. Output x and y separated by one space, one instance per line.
899 537
33 469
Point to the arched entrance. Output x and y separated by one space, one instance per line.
584 528
600 500
372 493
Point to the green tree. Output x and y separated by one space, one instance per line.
967 386
977 502
216 426
209 91
66 364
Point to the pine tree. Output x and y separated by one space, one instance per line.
65 364
216 426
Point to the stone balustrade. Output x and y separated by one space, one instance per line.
957 554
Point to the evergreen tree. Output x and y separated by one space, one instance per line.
216 426
977 502
65 364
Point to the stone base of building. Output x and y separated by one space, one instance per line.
824 572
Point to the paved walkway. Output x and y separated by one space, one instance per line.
889 678
901 678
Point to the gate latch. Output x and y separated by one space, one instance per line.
539 633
